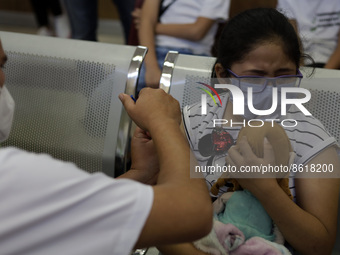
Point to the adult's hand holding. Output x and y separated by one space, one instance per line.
159 115
153 108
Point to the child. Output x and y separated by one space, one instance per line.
259 48
186 26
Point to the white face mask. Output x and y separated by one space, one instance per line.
6 113
262 101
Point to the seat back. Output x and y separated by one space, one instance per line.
324 86
181 73
66 93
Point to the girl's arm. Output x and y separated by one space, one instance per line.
310 224
191 31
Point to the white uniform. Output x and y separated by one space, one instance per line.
318 24
187 11
52 207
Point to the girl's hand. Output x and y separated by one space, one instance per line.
250 168
136 17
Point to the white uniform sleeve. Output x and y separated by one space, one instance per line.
215 9
52 207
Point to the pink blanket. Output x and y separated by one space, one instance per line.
227 239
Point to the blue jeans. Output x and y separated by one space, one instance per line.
83 18
83 15
125 7
161 54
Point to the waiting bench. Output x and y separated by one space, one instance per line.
66 93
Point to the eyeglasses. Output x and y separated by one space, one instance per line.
259 83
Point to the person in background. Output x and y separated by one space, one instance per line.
60 27
133 34
318 24
83 16
186 26
53 207
259 48
237 7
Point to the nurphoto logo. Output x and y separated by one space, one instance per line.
239 103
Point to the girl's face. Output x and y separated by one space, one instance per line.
267 60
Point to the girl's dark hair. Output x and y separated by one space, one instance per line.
250 28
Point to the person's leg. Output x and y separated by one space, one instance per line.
40 12
125 7
61 22
54 7
41 15
83 18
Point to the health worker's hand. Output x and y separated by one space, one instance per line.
153 109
